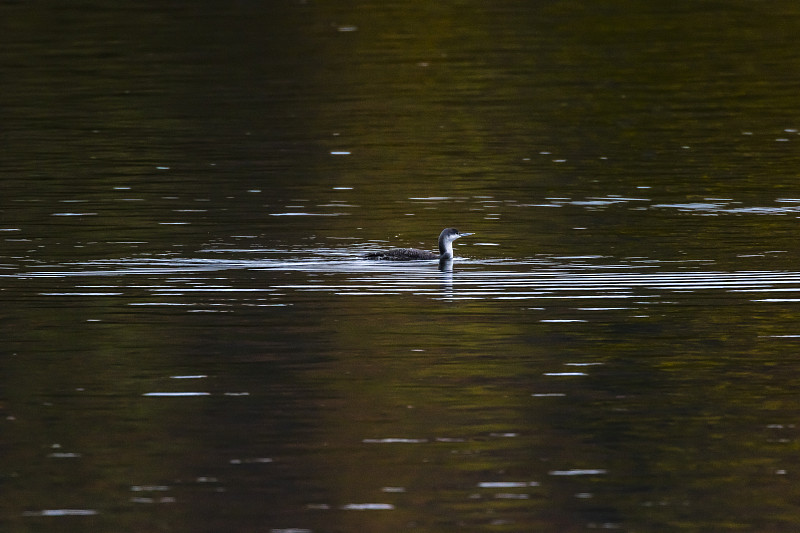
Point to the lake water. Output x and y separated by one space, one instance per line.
192 340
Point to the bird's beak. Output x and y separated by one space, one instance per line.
465 234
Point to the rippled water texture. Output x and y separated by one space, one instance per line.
192 339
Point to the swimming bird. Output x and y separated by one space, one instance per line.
446 238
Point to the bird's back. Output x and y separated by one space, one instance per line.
402 254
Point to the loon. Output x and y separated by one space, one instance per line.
446 238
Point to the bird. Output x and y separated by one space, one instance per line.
446 238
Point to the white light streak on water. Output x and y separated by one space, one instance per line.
577 472
61 512
175 394
394 441
368 507
507 484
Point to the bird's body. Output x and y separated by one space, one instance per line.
402 254
446 239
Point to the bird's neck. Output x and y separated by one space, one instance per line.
445 249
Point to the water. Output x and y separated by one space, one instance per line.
192 340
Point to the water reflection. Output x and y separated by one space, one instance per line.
446 284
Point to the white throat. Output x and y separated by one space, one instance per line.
448 249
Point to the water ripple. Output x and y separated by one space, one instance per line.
193 280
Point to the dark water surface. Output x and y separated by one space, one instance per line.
191 340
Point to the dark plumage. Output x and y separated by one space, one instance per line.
402 254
